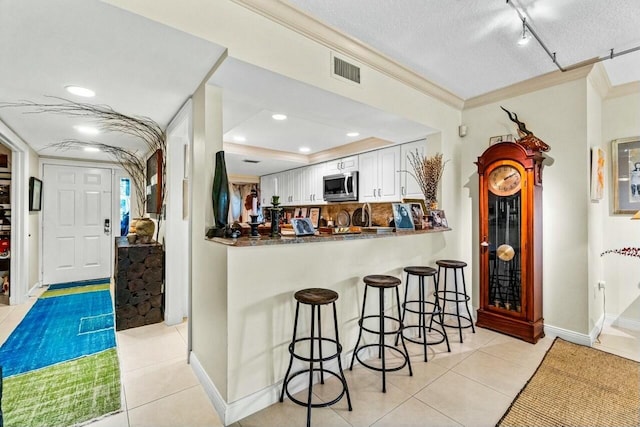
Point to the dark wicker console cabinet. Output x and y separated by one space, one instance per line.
139 284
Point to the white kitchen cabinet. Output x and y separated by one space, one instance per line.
409 187
379 175
267 188
345 164
312 184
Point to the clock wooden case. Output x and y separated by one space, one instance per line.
510 204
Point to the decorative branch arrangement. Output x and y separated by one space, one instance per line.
427 172
108 120
635 252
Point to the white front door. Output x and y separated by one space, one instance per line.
76 208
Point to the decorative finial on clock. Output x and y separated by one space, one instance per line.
527 138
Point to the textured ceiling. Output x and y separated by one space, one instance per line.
469 46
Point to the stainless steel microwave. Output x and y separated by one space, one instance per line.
342 187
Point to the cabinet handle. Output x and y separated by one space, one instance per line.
379 192
341 165
402 191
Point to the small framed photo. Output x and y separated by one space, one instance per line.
302 226
438 219
500 138
35 194
402 216
314 216
625 156
427 222
300 212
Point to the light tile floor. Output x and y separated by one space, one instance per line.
471 386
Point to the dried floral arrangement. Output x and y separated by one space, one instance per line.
635 252
427 171
108 120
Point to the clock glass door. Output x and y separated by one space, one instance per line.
505 287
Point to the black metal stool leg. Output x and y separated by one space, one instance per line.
404 307
455 281
466 302
291 350
381 341
401 326
313 307
440 314
422 322
364 303
320 346
339 348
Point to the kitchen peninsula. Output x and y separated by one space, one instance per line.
256 317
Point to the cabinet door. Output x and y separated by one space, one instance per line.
296 178
409 187
389 174
345 164
313 183
368 177
267 189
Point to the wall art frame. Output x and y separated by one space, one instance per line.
154 182
625 156
35 194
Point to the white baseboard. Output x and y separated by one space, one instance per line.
33 288
234 411
572 336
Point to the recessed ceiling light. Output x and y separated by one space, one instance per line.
92 149
239 138
353 134
304 149
80 91
88 130
279 117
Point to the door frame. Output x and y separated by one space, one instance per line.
19 265
115 200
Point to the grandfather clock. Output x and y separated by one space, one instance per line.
511 241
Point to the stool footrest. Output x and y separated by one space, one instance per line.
386 369
459 296
436 308
318 341
422 341
315 405
374 331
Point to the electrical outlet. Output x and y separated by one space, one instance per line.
601 284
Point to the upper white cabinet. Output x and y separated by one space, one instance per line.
290 187
346 164
379 175
267 188
312 183
409 187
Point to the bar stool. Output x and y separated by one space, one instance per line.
315 297
455 296
421 309
381 282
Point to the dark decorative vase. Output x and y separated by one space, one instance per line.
220 196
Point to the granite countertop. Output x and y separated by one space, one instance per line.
284 240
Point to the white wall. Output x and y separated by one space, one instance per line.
620 119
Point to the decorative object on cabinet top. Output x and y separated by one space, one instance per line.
527 139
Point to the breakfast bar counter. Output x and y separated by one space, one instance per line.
255 307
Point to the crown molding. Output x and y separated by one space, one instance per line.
252 151
356 147
632 88
302 23
544 81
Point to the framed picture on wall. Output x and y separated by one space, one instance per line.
35 194
597 173
625 156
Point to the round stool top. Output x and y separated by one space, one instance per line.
381 281
449 263
316 296
420 270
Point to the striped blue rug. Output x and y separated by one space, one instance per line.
68 321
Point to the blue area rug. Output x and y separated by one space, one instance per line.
60 328
76 284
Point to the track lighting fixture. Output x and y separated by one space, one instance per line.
525 36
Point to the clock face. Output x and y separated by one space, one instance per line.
505 180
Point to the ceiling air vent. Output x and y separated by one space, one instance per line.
251 161
345 70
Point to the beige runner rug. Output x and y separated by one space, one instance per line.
578 386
